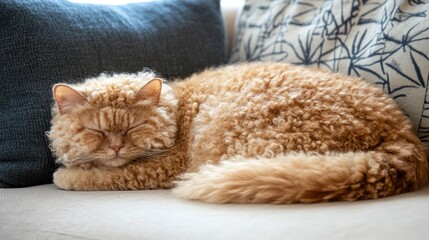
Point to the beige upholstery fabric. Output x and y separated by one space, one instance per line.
44 212
230 10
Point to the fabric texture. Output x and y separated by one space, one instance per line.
44 212
45 42
385 42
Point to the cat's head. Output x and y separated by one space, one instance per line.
112 120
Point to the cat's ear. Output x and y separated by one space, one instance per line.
152 91
67 98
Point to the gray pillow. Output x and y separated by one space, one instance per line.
45 42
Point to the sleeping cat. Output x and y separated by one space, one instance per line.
245 133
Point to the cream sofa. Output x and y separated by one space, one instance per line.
45 212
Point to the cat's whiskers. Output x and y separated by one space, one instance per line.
151 153
85 158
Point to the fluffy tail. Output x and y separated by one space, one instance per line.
309 177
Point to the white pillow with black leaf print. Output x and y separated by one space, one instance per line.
385 42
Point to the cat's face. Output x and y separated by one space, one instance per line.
130 127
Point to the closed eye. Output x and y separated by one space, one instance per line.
96 131
134 127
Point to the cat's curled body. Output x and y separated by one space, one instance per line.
244 133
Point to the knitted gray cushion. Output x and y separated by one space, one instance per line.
45 42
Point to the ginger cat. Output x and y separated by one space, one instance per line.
245 133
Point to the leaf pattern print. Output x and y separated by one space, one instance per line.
385 42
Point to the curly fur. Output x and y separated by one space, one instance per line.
247 133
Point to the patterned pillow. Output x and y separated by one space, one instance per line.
385 42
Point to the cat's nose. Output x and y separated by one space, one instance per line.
116 148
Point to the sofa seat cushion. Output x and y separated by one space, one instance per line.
44 212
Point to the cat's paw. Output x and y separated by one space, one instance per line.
68 178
